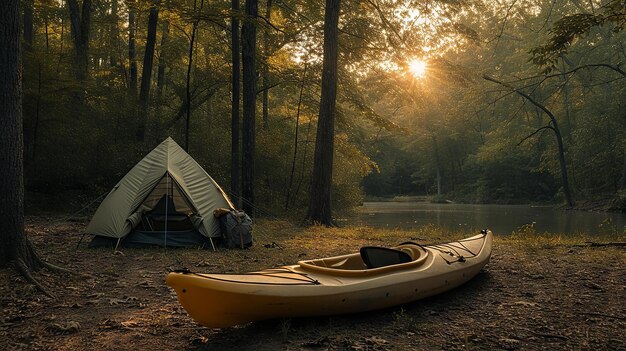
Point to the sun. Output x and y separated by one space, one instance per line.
417 68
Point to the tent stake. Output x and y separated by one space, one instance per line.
116 245
79 241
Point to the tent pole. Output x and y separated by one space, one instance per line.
167 195
79 241
213 245
118 244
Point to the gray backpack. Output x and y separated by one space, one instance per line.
236 229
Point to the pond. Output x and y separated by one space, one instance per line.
502 219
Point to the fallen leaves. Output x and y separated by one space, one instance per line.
69 327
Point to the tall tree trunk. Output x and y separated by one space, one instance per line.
189 67
14 245
248 36
132 54
146 71
114 35
265 69
80 21
437 163
320 205
163 59
234 142
295 140
624 173
567 103
28 24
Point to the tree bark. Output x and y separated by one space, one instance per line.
624 173
132 54
163 59
320 205
28 24
567 103
437 164
295 140
80 21
248 36
14 245
234 141
189 67
114 35
146 71
265 69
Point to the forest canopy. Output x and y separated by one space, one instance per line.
434 97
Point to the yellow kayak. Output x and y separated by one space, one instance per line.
373 278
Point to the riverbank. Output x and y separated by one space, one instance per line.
538 292
616 203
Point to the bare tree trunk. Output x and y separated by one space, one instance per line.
189 67
265 69
567 104
295 140
437 164
624 173
132 54
146 71
14 245
28 24
234 144
162 59
303 163
248 35
80 21
320 205
114 35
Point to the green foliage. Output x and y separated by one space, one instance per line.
570 28
395 133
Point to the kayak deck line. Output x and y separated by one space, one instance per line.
273 273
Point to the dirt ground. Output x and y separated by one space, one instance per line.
535 294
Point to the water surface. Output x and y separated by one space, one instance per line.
502 219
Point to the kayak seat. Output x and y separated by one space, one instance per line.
376 257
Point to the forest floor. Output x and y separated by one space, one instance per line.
538 292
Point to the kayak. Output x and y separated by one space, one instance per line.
373 278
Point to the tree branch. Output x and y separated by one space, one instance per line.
523 94
533 133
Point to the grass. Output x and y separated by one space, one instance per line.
271 230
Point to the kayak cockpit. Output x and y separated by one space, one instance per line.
368 261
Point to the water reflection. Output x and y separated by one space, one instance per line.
502 219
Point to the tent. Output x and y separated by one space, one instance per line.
167 199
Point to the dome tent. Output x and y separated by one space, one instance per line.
167 199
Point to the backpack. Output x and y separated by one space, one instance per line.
236 228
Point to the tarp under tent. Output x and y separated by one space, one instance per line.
167 200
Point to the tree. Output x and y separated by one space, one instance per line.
265 68
554 127
132 55
80 21
234 156
28 24
163 59
320 205
14 245
194 29
146 71
248 36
